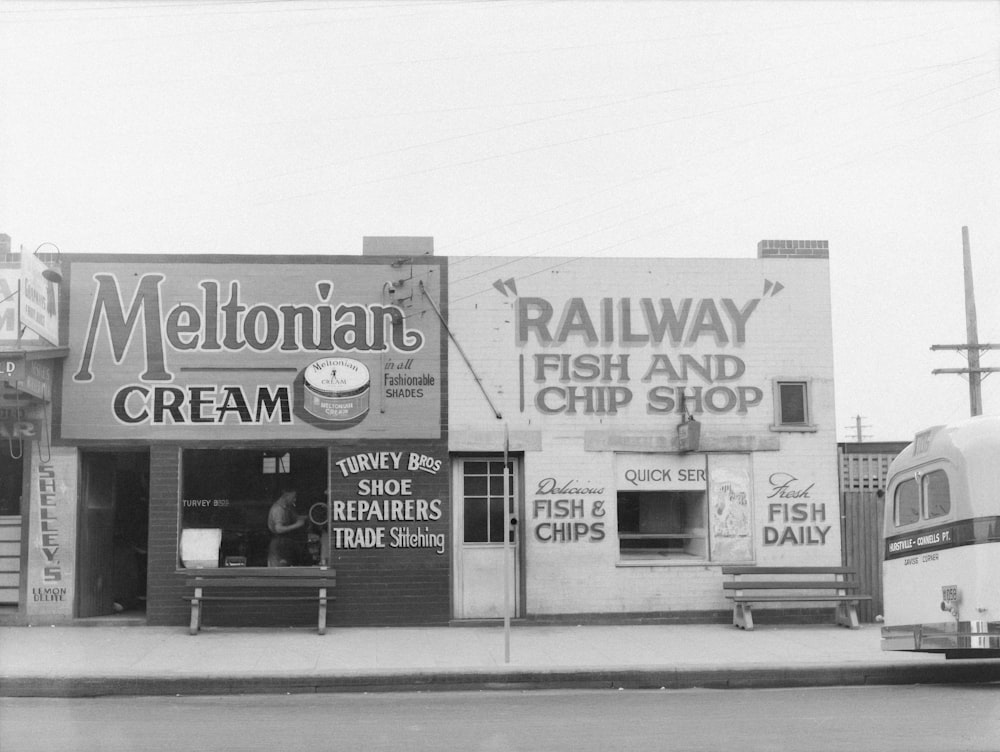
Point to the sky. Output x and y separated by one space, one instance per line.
528 128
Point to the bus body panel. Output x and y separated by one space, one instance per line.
941 571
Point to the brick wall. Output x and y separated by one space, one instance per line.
387 586
793 249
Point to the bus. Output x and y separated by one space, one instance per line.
941 535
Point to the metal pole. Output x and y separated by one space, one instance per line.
506 546
975 375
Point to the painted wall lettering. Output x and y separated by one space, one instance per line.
385 499
604 384
48 524
797 524
233 325
47 594
171 405
570 517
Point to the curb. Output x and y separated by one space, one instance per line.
979 672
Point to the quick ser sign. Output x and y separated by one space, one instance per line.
659 351
295 348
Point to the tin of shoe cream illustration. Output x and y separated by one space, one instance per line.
336 392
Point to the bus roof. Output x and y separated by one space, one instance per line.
970 446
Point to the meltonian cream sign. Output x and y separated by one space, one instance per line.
254 349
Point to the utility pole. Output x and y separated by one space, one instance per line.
972 347
858 428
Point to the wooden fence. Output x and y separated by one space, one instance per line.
863 470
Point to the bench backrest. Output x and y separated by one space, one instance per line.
278 577
742 570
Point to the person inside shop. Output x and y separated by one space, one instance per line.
285 548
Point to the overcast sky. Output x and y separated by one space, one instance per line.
589 130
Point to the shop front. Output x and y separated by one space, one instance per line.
662 417
258 412
36 523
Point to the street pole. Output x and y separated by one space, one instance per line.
972 346
506 546
975 375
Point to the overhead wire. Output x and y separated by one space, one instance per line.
658 230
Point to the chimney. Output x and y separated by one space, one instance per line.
397 246
793 249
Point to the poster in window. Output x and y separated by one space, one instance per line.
729 503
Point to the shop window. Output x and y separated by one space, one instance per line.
662 524
907 502
482 498
937 495
791 406
227 494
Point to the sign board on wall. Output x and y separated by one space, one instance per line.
39 300
252 349
660 472
51 574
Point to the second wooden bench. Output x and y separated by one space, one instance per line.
792 584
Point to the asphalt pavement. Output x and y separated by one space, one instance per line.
76 661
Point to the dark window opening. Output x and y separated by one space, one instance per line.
662 524
227 495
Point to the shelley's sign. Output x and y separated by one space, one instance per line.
251 350
606 356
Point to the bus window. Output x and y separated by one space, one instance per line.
907 502
937 495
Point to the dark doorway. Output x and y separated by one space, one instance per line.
114 532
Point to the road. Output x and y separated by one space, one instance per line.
965 717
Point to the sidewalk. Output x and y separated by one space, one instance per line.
67 661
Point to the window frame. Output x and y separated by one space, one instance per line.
925 496
807 424
921 480
664 554
464 497
896 509
247 511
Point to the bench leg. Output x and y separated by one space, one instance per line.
322 610
743 616
847 615
196 611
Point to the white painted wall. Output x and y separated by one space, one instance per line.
788 334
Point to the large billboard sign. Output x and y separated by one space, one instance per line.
253 349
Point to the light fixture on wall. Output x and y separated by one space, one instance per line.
53 270
688 430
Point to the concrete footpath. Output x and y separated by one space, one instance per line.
75 661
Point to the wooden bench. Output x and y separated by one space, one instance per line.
792 584
273 584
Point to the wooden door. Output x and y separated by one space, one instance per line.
863 515
481 556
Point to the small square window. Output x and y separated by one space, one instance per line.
793 403
791 406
